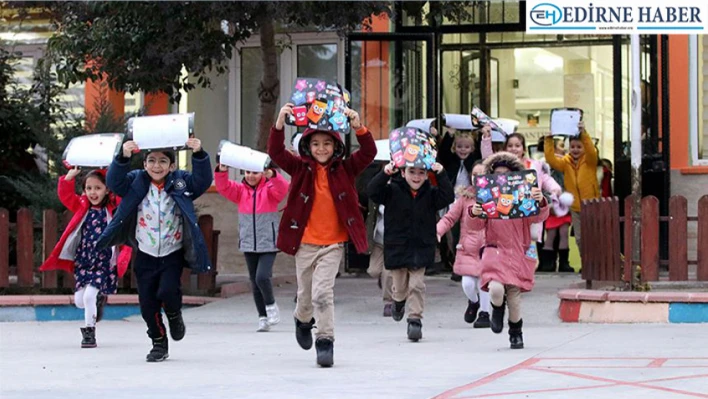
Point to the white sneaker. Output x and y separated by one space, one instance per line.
263 325
273 314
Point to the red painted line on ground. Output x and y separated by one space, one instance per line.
681 377
621 367
486 380
618 358
657 363
489 395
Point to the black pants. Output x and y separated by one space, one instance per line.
158 286
260 271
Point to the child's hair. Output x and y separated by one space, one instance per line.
575 138
168 153
97 174
463 134
518 136
606 162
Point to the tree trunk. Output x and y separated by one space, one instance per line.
270 84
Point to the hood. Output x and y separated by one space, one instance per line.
304 144
503 158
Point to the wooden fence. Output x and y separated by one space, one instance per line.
604 259
25 268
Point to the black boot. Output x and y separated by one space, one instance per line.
415 330
546 261
158 352
471 312
563 264
303 333
325 351
516 338
89 337
398 310
177 328
482 320
497 322
455 277
100 304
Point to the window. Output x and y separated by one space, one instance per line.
251 74
703 96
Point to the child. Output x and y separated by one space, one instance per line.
411 204
376 261
508 258
467 262
96 271
321 215
457 154
257 197
605 177
579 169
159 199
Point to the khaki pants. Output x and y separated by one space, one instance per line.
575 216
409 286
316 268
513 298
377 270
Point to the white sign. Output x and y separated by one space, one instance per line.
241 157
422 124
161 131
564 121
93 150
383 151
458 121
623 17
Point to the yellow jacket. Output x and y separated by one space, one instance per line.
580 177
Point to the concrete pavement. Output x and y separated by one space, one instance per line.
223 356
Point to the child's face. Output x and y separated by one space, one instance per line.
322 147
95 190
576 149
501 170
516 147
560 148
415 177
158 166
463 147
253 178
479 169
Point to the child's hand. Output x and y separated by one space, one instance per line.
390 169
269 173
433 131
195 144
353 116
72 173
130 148
437 168
581 126
439 237
476 209
486 132
284 112
536 194
223 168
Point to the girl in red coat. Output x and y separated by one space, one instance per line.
96 271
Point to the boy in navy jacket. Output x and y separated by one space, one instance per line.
157 218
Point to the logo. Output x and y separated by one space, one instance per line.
546 14
180 184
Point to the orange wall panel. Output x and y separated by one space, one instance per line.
678 100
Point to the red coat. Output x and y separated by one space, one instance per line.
79 205
341 173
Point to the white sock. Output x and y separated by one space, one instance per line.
484 301
90 311
79 298
469 286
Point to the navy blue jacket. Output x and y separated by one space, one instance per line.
184 187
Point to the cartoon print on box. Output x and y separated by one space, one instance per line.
300 115
507 196
411 147
319 105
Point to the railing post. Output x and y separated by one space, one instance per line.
49 240
207 281
25 248
628 241
678 238
702 243
4 248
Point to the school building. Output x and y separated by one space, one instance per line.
410 67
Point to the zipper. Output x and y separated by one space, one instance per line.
255 240
159 223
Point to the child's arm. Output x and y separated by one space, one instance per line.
378 188
450 218
445 154
590 150
119 178
276 143
487 149
201 177
229 189
551 159
66 192
543 207
366 153
444 193
277 186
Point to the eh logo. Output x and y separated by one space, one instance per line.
546 14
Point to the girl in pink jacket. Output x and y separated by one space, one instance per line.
257 198
467 261
509 256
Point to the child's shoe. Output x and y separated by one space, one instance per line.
471 312
497 322
325 351
158 352
89 337
482 320
387 310
100 304
303 333
273 314
263 325
415 330
398 310
177 327
516 338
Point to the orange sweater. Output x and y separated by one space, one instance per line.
324 226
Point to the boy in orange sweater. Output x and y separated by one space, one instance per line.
321 215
